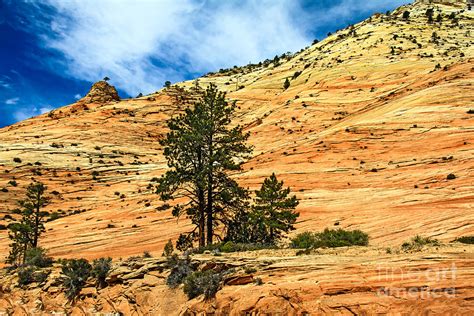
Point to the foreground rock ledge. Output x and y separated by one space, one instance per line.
349 281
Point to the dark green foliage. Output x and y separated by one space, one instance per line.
13 183
146 254
17 160
38 257
167 84
465 239
230 246
296 75
28 275
271 216
25 233
330 238
76 272
106 78
168 251
25 276
418 242
406 15
303 240
286 84
200 175
451 177
100 270
207 283
470 112
429 13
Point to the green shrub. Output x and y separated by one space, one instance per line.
38 257
168 251
13 183
76 272
465 239
230 246
207 283
330 238
180 269
100 270
303 240
418 242
26 276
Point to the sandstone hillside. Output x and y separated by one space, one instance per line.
376 117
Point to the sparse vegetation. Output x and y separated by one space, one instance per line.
180 269
207 283
100 270
465 239
286 84
418 242
76 272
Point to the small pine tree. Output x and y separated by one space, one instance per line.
167 84
406 15
273 212
25 233
168 251
106 78
286 85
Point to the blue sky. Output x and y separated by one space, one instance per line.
53 50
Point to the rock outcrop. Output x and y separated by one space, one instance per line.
345 281
101 92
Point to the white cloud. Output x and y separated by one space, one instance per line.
77 96
44 109
28 112
12 101
141 44
4 84
22 115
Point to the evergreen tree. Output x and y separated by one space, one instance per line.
273 212
286 85
25 234
202 149
21 235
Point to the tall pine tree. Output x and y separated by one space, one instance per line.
202 149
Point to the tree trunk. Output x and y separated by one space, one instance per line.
202 218
210 183
37 221
209 210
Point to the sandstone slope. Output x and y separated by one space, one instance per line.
374 121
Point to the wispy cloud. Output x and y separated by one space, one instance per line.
140 44
12 101
27 112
